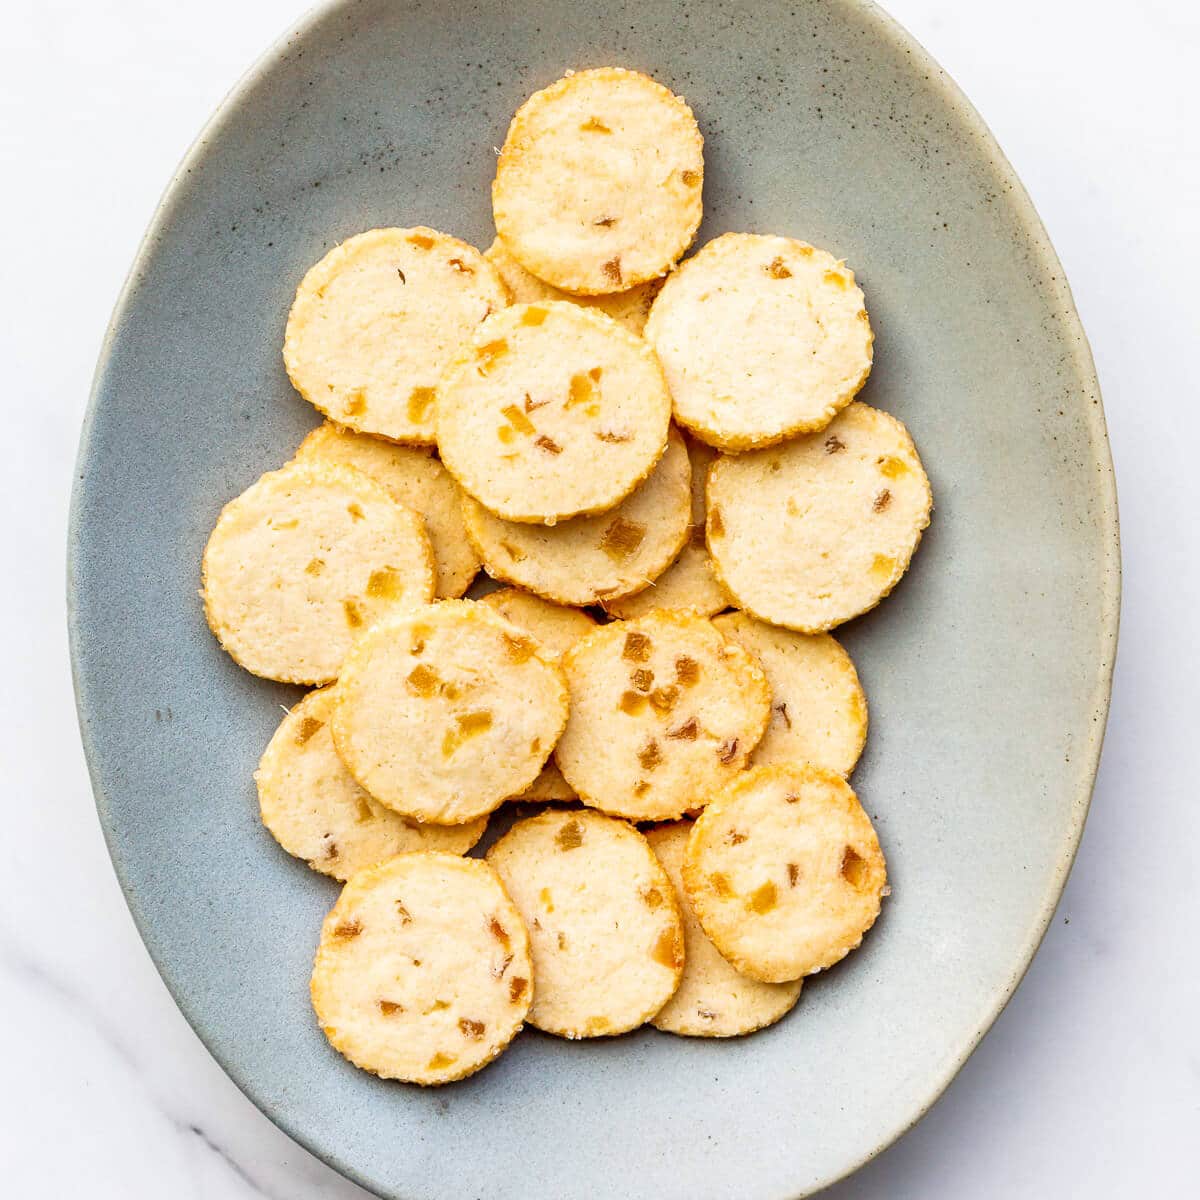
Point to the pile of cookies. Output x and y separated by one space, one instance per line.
632 447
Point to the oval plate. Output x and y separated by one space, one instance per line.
988 670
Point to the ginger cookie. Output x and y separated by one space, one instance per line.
315 810
784 871
689 584
713 999
812 533
818 709
629 308
761 338
590 560
603 919
555 627
445 712
417 480
664 713
598 185
378 319
548 786
552 411
302 562
423 972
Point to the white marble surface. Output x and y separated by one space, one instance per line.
1090 1082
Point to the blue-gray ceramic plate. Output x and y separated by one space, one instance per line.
987 671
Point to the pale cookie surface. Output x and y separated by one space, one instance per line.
413 476
812 533
603 920
664 712
548 786
761 338
599 182
316 811
554 627
784 871
589 560
302 562
713 999
444 713
630 308
818 709
423 972
689 584
378 319
552 411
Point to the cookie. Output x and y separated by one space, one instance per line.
423 972
315 810
552 411
784 872
629 308
761 338
378 319
548 786
589 560
689 584
445 712
817 531
598 184
302 562
555 627
603 919
664 712
416 479
713 999
818 709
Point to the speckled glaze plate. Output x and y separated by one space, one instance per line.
987 671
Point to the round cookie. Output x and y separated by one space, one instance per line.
548 786
784 871
444 713
818 709
552 411
555 627
423 972
761 338
590 560
378 319
415 478
302 562
603 919
713 999
598 185
810 534
629 308
664 712
315 810
689 584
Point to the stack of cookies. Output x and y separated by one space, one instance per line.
667 470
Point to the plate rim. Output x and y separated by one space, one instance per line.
888 28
